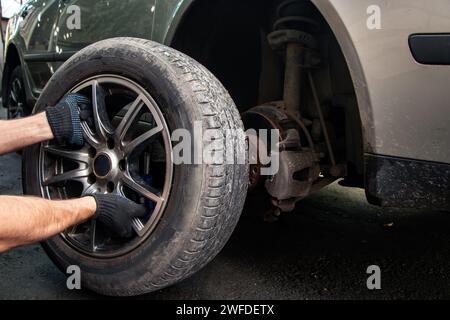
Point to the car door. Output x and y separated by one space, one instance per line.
38 19
83 22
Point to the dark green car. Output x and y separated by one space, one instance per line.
328 90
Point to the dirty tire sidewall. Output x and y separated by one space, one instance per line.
206 200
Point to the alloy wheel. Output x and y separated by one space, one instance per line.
127 152
16 101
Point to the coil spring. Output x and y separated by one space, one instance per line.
291 16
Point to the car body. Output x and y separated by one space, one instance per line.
400 138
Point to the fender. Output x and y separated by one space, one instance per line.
342 35
165 32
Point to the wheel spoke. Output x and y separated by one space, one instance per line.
102 125
14 97
129 147
119 189
147 192
93 234
72 175
15 91
73 230
89 136
78 156
138 227
129 118
88 189
136 224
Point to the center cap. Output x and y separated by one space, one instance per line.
102 165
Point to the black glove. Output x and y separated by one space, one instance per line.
65 118
116 213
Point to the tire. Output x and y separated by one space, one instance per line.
206 200
16 97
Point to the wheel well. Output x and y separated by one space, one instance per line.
230 41
11 62
229 37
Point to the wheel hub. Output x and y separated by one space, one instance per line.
102 165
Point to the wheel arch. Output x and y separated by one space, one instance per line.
12 60
178 17
354 65
240 41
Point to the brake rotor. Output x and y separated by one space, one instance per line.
298 166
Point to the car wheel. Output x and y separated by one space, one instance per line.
15 96
142 91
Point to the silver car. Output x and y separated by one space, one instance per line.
356 90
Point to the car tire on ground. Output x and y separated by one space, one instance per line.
205 200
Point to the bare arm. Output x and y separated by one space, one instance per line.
17 134
27 220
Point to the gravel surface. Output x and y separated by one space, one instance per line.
321 251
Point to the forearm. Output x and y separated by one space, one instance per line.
17 134
27 220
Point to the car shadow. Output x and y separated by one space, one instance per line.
323 250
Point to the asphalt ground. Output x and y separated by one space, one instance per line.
321 251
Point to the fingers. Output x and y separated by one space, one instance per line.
135 210
85 108
124 230
140 211
117 213
87 115
79 98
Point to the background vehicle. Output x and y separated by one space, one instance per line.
367 105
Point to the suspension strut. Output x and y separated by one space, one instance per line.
299 175
293 36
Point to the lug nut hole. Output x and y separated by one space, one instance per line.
122 165
92 179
